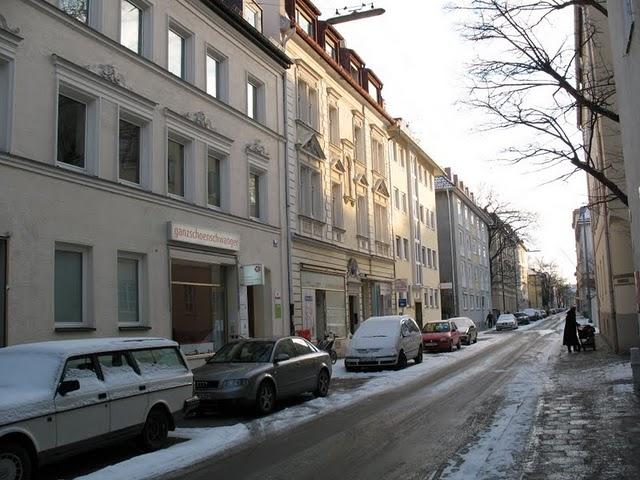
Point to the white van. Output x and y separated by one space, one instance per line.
60 398
384 341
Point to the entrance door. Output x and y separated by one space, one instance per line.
321 314
251 311
419 314
3 292
353 313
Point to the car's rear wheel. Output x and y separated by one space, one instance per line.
475 338
418 358
15 462
156 430
322 386
334 357
265 398
402 361
459 345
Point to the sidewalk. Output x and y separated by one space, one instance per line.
587 424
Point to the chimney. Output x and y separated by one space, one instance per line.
472 198
466 191
447 172
455 180
461 185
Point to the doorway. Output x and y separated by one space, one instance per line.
251 311
3 292
353 313
321 314
419 314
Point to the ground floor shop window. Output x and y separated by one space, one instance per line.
199 314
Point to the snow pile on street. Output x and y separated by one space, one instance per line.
206 443
618 371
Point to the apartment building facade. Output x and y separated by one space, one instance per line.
463 241
612 245
140 163
412 179
586 297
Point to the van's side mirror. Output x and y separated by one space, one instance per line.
68 386
281 357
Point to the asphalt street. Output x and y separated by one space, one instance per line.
411 432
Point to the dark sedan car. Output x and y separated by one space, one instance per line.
258 371
522 318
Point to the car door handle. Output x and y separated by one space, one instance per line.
102 396
142 388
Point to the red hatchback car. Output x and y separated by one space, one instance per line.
440 335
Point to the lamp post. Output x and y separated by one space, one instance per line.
356 15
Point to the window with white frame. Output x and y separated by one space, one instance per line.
331 47
404 202
129 151
175 168
399 252
358 140
354 71
72 126
431 302
177 53
78 9
334 125
434 261
362 216
310 192
424 255
396 197
129 288
215 66
255 99
70 285
256 194
405 251
432 215
131 26
252 13
428 259
436 298
418 270
307 104
337 213
377 153
381 222
214 179
459 205
304 22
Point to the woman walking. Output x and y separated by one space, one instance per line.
570 337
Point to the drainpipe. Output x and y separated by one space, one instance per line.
611 289
586 261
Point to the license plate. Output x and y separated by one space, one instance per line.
205 396
430 344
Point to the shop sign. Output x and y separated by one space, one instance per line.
446 286
202 236
252 275
400 285
402 302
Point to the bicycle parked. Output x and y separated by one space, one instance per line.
327 346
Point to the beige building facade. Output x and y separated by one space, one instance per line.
140 163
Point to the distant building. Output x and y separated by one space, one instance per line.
463 240
535 281
586 296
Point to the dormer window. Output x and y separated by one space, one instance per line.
305 22
373 91
252 13
354 71
331 48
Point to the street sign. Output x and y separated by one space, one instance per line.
252 274
402 302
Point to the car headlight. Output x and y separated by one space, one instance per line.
234 383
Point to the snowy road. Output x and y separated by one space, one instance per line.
466 418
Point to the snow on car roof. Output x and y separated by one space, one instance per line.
64 348
386 318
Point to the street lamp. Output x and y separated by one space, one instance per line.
355 15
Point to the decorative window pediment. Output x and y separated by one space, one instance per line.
313 148
361 179
339 166
381 188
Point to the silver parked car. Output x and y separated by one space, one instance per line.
259 371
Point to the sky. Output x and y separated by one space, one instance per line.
416 49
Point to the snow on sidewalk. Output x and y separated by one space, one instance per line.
204 443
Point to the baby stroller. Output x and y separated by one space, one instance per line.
587 336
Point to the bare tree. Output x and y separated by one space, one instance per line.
533 83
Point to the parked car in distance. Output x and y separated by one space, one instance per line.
441 335
506 321
532 313
60 398
384 342
259 372
522 318
467 329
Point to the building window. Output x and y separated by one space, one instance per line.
175 168
402 156
377 151
252 13
427 258
405 252
72 120
176 54
331 48
424 255
254 99
381 222
310 192
131 26
213 75
404 202
354 71
334 125
70 279
399 253
436 298
213 181
129 145
307 104
396 197
78 9
304 22
433 219
336 205
358 140
361 214
128 289
373 90
435 259
254 195
422 213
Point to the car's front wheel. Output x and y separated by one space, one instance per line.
156 430
418 358
402 361
265 398
15 462
322 386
